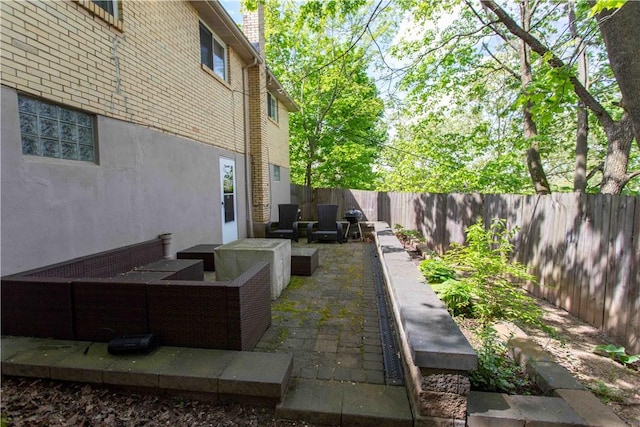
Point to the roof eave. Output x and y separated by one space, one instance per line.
276 88
214 14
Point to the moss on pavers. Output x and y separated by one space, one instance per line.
346 403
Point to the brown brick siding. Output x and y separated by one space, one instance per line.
149 73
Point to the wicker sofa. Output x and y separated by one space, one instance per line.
92 298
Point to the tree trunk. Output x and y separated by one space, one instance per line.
582 125
582 149
620 30
309 166
620 138
619 134
534 161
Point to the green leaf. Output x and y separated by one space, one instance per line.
602 5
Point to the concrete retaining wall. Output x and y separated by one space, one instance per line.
436 355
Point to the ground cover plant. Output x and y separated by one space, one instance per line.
478 280
617 353
407 236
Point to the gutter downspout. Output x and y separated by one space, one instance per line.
247 146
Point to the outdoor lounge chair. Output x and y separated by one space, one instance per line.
328 228
287 225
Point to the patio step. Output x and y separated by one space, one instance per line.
571 408
346 403
224 375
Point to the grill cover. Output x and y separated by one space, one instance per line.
353 215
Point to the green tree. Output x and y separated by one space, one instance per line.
471 71
318 51
452 153
622 40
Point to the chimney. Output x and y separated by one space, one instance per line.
253 27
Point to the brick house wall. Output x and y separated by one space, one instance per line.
162 124
148 73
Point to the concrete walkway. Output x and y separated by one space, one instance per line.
329 322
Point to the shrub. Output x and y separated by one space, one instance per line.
496 371
457 295
436 270
485 283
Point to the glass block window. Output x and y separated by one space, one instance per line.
276 173
51 131
213 53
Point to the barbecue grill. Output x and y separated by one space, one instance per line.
353 216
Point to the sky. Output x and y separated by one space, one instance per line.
233 8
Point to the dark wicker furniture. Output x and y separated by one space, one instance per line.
227 315
181 269
191 313
39 302
203 252
304 261
287 225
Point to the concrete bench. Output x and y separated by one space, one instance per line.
304 261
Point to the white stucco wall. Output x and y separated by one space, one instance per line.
145 183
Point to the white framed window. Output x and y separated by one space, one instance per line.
272 106
110 6
49 130
213 53
276 173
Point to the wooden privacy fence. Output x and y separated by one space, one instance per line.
584 249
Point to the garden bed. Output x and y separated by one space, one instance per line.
617 386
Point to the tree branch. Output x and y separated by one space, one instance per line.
589 101
599 168
502 64
630 176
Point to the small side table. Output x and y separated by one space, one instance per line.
303 261
203 252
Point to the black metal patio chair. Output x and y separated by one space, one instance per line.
287 225
328 228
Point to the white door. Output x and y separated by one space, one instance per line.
228 192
